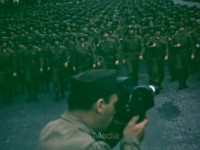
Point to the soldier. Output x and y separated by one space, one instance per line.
133 49
183 46
171 61
45 57
59 62
19 65
108 53
84 55
133 22
195 33
32 69
95 34
70 42
6 70
156 53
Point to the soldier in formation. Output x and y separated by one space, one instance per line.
41 46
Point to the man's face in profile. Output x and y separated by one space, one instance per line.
109 111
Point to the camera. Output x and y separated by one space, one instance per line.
133 100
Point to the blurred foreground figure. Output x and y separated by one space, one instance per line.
91 104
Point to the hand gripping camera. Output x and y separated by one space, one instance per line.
132 101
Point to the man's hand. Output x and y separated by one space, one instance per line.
166 58
66 64
117 62
140 57
98 64
14 74
74 68
154 45
177 45
94 66
135 129
41 69
192 57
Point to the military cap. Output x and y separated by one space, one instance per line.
16 38
198 21
92 25
3 33
82 35
157 28
132 18
151 27
172 27
105 30
66 34
181 24
5 39
55 37
30 39
131 27
150 18
93 84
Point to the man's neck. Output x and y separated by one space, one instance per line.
87 117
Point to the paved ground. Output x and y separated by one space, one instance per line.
174 120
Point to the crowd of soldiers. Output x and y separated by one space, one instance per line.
193 0
44 44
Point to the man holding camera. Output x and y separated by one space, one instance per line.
91 106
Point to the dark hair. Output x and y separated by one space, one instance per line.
76 102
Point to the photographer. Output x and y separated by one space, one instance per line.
91 103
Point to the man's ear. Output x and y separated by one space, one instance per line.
100 105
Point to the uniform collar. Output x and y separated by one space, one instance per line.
67 116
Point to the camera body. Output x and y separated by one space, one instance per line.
133 100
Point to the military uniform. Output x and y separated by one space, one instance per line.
71 133
45 57
171 61
183 45
132 48
156 51
107 53
60 61
84 55
70 43
196 38
19 68
32 69
6 71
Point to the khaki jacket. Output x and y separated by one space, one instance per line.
70 133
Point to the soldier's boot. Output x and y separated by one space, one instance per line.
56 98
182 84
47 86
35 97
62 89
30 96
7 98
173 78
198 76
62 96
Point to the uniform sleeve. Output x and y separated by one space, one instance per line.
98 146
129 143
142 46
